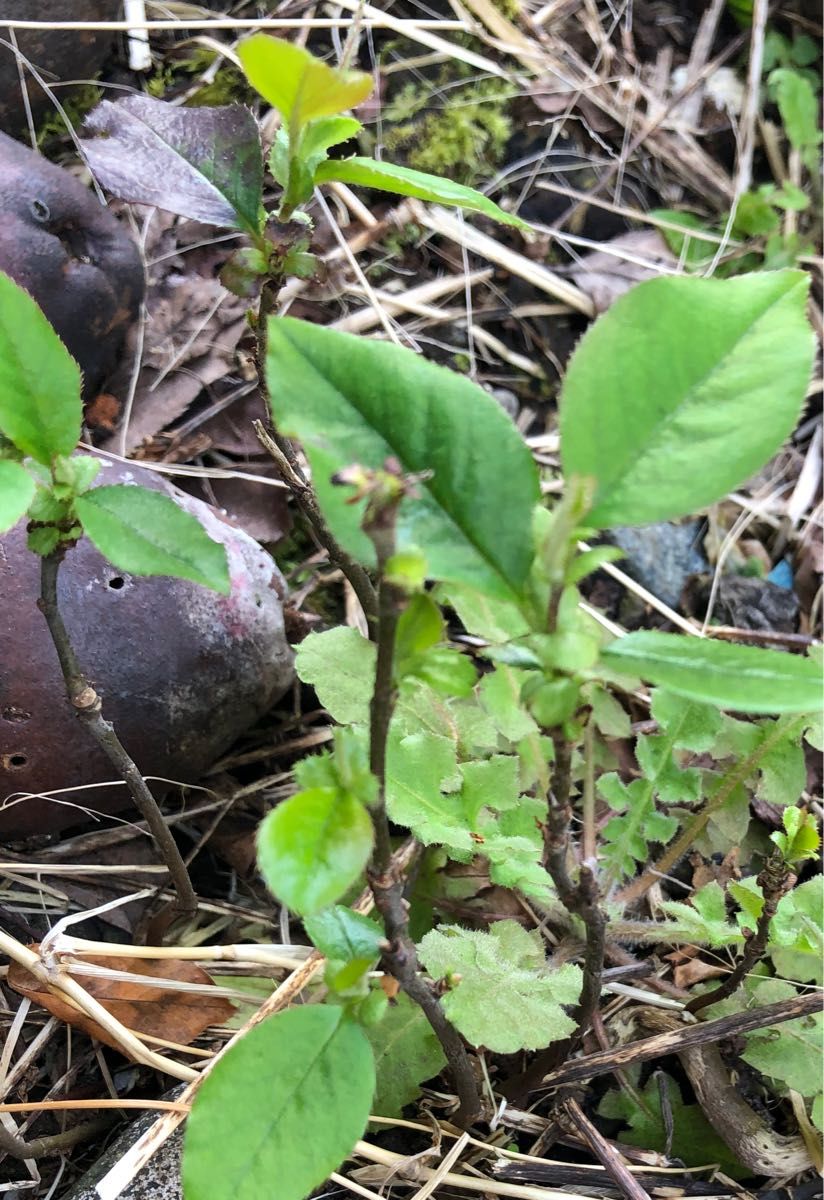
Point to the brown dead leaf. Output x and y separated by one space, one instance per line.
696 970
160 1012
632 257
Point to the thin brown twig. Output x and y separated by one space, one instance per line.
283 453
606 1154
401 958
88 707
776 880
673 1041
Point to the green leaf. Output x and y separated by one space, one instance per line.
340 665
420 626
791 1052
40 407
500 696
407 1053
704 920
16 493
743 678
352 399
296 83
508 998
313 847
319 136
145 533
798 106
307 1069
204 163
694 1140
684 725
403 181
670 430
340 933
800 839
494 620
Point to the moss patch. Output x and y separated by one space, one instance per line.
460 131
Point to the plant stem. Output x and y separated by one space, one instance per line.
283 452
581 898
776 879
689 833
88 707
401 959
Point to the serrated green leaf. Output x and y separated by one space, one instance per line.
508 997
800 839
403 181
684 725
704 920
340 933
313 847
743 678
352 399
40 407
146 533
340 666
407 1053
297 84
495 621
697 357
310 1068
16 493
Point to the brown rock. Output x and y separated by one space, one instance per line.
71 255
55 54
181 670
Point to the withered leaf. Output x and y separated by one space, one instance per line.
160 1012
202 163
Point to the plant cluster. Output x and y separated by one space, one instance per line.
425 494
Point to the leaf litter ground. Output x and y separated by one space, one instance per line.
604 144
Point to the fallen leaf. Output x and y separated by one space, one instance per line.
693 972
632 257
201 163
156 1011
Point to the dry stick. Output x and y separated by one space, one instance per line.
87 705
690 832
776 880
676 1040
284 456
401 959
53 1143
606 1154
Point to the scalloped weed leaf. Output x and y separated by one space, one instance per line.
201 163
699 357
16 493
40 406
403 181
683 725
340 665
407 1053
350 399
140 993
313 847
296 83
743 678
145 533
307 1071
508 997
